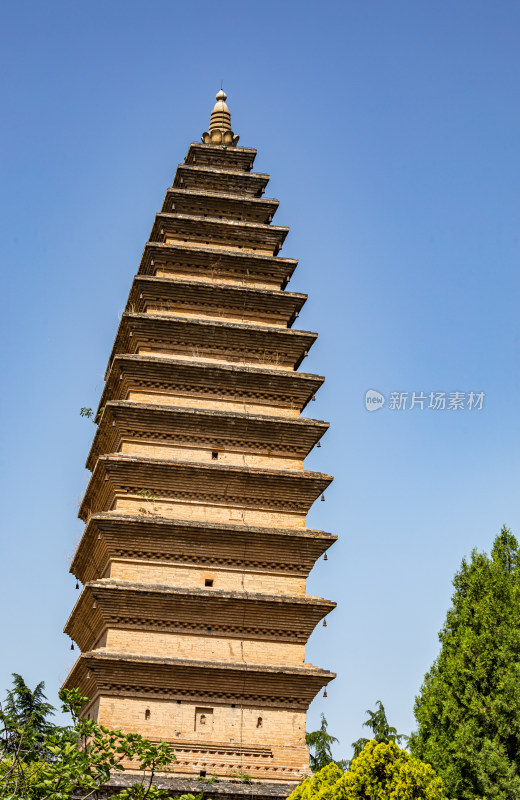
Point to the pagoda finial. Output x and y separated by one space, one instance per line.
220 124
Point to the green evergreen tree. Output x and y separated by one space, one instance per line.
320 745
24 711
380 772
381 729
468 710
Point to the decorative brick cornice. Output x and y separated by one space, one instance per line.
207 612
198 379
159 540
204 262
243 343
193 482
218 300
122 674
127 421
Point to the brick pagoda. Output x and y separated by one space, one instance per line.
193 617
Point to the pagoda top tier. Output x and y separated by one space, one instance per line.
220 124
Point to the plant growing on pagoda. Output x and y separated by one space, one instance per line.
468 710
382 771
89 413
241 776
40 761
150 497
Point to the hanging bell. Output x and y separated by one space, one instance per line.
325 557
77 584
313 398
325 693
72 645
324 623
323 498
319 444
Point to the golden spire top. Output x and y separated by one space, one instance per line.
220 124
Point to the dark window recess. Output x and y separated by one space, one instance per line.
214 455
178 702
232 705
202 773
259 722
208 582
147 714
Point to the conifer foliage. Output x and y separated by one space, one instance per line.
382 771
468 710
381 729
25 709
320 747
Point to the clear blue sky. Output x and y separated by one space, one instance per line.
391 132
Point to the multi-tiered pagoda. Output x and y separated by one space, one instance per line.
193 618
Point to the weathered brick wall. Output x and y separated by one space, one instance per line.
195 577
206 648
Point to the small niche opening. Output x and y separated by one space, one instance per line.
208 582
202 773
214 455
259 722
178 702
204 720
147 714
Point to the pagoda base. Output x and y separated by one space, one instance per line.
225 789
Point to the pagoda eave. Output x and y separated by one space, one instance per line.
214 484
149 293
124 674
209 429
210 263
253 209
110 535
221 232
232 382
212 339
215 178
109 603
211 154
261 788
